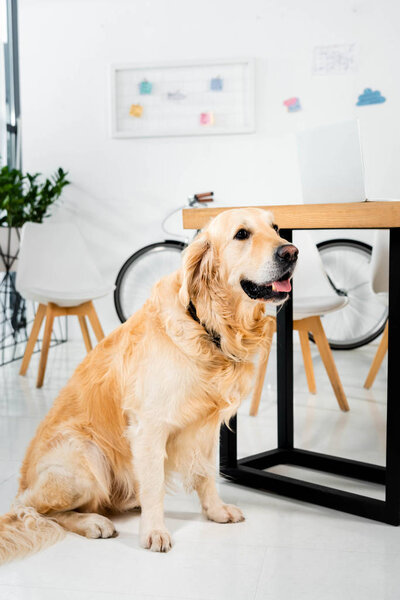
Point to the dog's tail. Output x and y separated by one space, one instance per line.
24 531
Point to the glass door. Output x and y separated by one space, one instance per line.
10 148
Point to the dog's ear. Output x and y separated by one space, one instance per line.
198 268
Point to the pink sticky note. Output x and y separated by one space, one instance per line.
206 118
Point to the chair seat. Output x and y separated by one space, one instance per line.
383 298
76 298
56 266
315 306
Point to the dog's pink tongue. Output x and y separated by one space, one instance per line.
282 286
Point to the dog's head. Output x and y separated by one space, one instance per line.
241 248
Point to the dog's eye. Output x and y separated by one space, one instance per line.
242 234
275 226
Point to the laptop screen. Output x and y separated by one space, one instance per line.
331 166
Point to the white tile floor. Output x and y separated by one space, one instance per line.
285 550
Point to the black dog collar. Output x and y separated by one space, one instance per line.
215 337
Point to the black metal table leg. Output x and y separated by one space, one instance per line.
393 386
228 445
252 471
284 324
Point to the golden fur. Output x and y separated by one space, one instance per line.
149 400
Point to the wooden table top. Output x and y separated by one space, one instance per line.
354 215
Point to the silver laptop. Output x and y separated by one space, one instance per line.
331 165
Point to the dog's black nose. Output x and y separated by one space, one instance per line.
288 253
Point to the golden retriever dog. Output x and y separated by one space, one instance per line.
149 400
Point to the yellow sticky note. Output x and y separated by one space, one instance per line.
136 110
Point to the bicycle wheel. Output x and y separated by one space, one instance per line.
141 271
347 264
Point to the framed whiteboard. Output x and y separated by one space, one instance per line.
179 99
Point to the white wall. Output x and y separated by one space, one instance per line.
122 188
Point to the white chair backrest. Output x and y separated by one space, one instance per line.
380 262
310 279
54 256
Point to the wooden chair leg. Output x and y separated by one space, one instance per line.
85 333
262 367
327 358
95 323
30 346
307 359
45 345
378 358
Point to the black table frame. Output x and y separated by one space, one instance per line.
250 471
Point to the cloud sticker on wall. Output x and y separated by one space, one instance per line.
370 97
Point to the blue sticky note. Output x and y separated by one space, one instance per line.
216 84
145 87
370 97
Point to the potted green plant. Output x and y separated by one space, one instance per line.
24 198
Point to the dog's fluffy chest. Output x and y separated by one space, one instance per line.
191 389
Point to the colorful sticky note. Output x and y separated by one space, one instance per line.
206 118
216 84
136 110
292 104
370 97
145 87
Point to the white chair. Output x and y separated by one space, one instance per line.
56 270
380 287
313 297
331 170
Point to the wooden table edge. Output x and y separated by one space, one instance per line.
351 215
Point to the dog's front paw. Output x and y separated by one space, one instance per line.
157 540
225 513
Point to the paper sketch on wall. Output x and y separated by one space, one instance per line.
336 59
292 104
370 97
